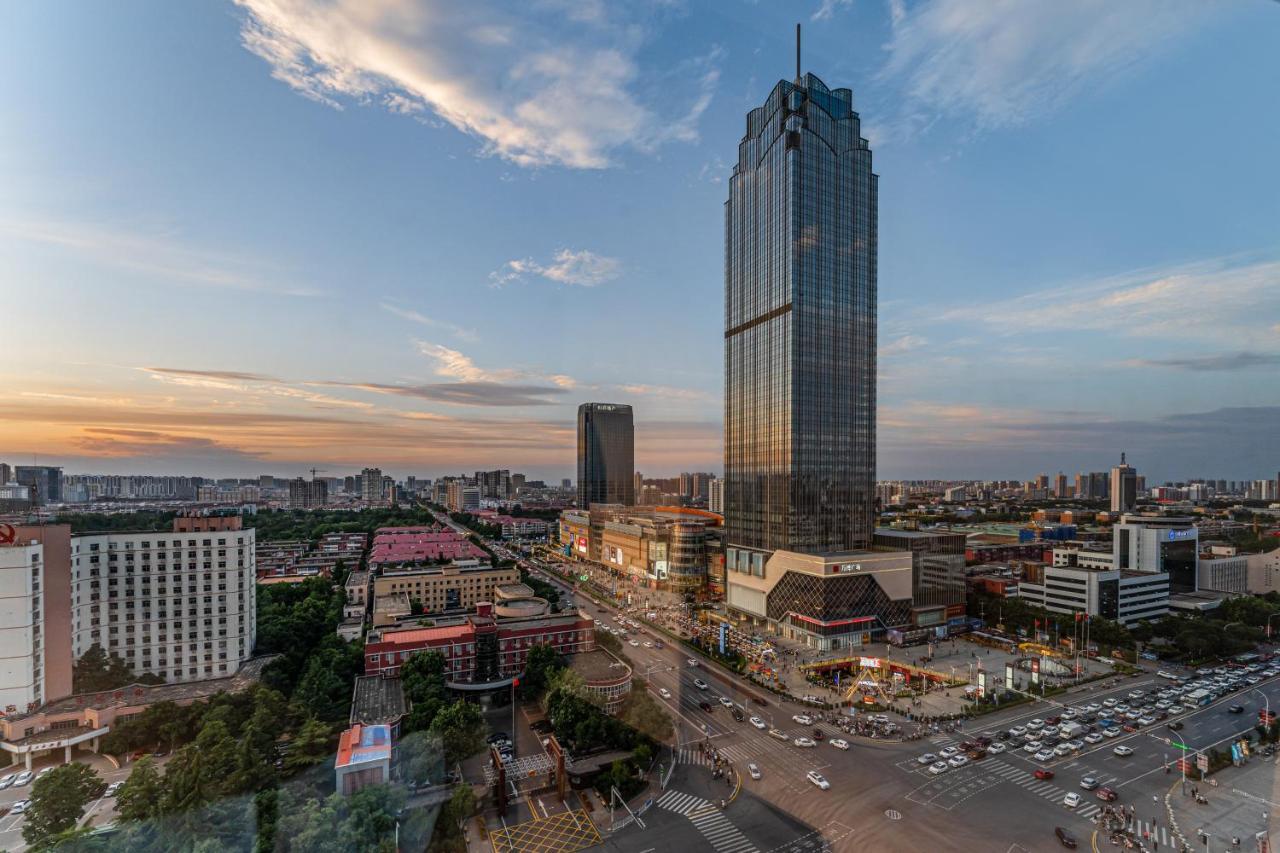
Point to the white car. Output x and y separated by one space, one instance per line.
1070 714
112 789
1071 800
818 779
1147 721
1031 747
753 771
1114 731
726 701
840 743
778 733
759 723
1093 737
6 781
664 693
1123 751
1175 710
927 758
1076 745
635 643
23 778
1110 703
939 767
1044 755
1036 725
648 645
20 806
948 751
802 719
805 741
700 684
1093 708
996 748
1018 731
958 761
692 662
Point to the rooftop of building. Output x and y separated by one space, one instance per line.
147 694
377 700
454 568
512 591
598 665
915 534
361 744
358 579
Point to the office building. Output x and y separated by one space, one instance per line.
715 495
6 473
800 329
937 565
308 494
1167 544
35 617
43 481
371 486
658 547
444 587
1124 487
606 454
1060 485
1082 582
461 496
1223 569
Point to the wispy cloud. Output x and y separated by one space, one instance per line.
539 83
423 320
467 393
1220 300
902 344
1212 363
225 375
666 391
827 10
162 257
1004 62
582 268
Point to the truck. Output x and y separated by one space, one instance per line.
1199 697
1071 731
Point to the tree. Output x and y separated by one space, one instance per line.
312 744
140 794
461 729
97 671
644 714
542 663
609 643
58 801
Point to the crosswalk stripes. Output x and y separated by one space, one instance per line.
680 802
694 756
1039 787
720 833
1156 832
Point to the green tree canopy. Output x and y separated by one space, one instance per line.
461 729
58 801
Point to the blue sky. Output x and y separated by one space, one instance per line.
258 236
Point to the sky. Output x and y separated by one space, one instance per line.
263 236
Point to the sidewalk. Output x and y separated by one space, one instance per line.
1240 805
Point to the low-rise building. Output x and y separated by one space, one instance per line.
605 676
444 588
410 546
1084 582
1263 572
364 758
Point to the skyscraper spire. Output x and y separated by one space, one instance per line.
797 54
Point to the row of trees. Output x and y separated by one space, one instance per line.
291 524
97 671
479 525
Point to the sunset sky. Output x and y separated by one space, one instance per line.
261 236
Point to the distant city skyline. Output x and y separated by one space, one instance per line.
312 256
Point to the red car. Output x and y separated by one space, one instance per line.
1108 795
1044 774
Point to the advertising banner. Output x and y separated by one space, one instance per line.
1035 670
1008 676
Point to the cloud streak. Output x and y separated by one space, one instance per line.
423 320
581 268
1212 363
538 84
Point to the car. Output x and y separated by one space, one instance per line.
779 734
20 806
939 767
726 701
1062 750
1136 694
1122 708
1175 710
112 789
664 693
819 734
802 719
1018 731
966 745
1035 725
1112 732
1093 707
648 645
23 778
1044 755
758 723
996 748
700 684
1147 721
1110 703
1108 795
805 741
1070 714
635 643
43 773
1093 737
1089 783
706 706
1123 751
1044 773
1054 720
948 751
1032 747
927 758
498 738
1174 726
1066 839
737 714
753 771
840 743
957 761
7 780
1236 709
818 779
1071 800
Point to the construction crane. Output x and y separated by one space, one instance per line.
315 471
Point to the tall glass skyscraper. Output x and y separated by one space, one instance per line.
606 454
800 330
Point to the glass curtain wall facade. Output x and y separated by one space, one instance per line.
606 454
800 327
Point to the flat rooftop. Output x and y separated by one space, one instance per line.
597 665
377 700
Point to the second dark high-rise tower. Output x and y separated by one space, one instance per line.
800 330
606 454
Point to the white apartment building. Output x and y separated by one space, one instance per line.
1263 572
177 604
21 621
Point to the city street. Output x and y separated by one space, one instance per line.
100 812
896 803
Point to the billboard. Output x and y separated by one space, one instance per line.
1008 676
982 683
613 554
869 663
1035 670
582 544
